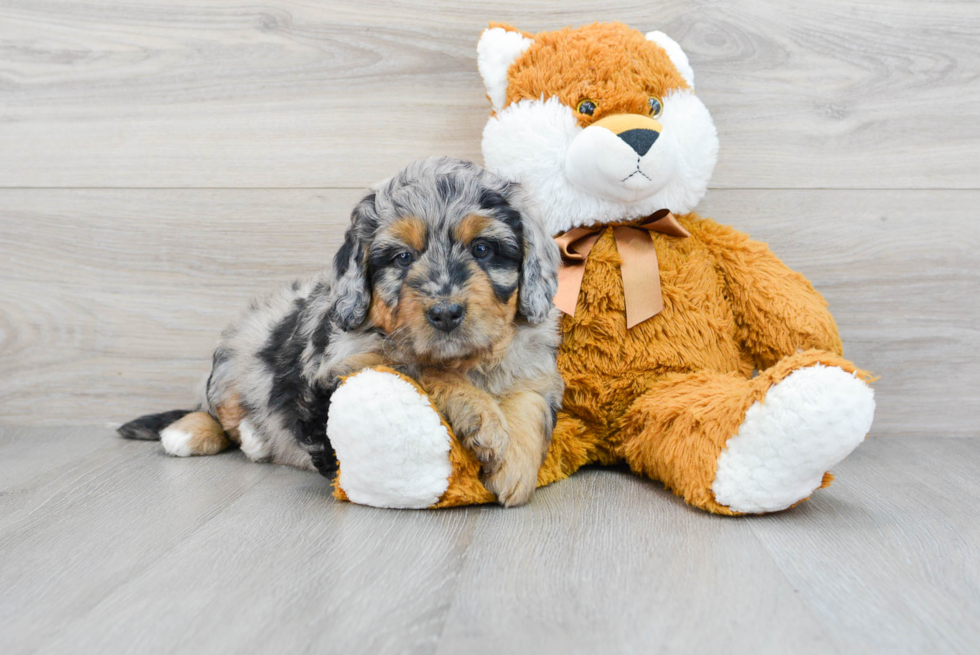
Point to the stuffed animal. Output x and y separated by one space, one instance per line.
690 352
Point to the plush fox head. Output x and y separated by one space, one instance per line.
600 123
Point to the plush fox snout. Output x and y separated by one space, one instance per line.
621 158
639 132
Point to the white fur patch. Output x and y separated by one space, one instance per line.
676 54
176 442
253 445
497 50
391 444
530 142
805 425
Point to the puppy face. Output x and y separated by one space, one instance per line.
443 258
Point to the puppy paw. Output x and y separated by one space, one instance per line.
512 484
488 441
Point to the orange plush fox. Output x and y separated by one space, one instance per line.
668 314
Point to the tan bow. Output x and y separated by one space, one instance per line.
640 271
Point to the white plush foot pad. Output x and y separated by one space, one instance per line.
391 443
806 424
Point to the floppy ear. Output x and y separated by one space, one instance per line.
351 291
539 271
676 54
498 48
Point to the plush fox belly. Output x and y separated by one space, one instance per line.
603 362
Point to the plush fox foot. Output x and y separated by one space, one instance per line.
394 448
806 424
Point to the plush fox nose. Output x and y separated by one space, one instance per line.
446 316
639 140
636 131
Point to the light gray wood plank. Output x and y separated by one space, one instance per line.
145 553
889 561
83 532
111 300
285 568
291 93
609 563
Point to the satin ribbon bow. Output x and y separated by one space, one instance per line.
640 271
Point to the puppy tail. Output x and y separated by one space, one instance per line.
149 427
183 432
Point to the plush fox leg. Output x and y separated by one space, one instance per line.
394 449
197 433
731 445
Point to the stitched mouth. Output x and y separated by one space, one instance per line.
636 172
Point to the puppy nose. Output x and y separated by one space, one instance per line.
446 316
639 140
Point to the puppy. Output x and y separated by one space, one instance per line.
447 275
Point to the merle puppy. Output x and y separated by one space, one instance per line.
446 274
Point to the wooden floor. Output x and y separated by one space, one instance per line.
110 546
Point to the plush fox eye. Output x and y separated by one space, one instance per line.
656 106
404 258
586 107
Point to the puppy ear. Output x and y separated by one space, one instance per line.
351 291
499 47
539 272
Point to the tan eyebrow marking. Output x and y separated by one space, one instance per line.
470 228
410 230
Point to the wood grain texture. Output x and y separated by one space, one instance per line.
111 300
290 93
132 551
913 500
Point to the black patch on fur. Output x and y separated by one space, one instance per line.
459 274
341 261
321 335
363 223
281 355
148 427
490 199
502 292
301 407
382 258
447 187
505 257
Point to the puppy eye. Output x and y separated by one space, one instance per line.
586 107
404 258
656 106
481 250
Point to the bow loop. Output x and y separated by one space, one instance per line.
640 271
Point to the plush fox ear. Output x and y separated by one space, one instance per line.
677 56
498 48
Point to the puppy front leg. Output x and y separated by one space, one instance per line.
355 363
473 414
529 423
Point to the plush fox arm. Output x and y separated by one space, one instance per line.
777 310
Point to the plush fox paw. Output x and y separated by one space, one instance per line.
807 423
392 445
